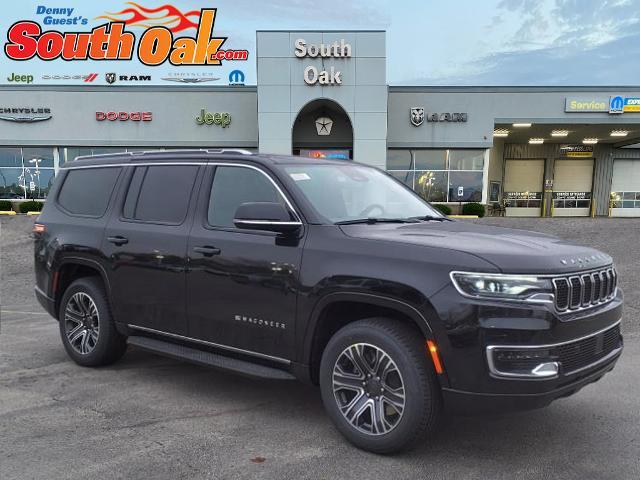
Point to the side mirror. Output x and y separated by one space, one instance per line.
269 216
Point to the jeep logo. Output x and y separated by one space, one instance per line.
217 118
20 78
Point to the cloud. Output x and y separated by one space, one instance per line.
561 42
319 15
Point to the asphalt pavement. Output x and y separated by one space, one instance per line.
151 417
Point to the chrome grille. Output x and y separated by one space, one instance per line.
575 292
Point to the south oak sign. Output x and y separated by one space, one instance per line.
311 74
27 40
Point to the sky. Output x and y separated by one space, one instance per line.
429 42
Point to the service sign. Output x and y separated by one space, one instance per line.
576 151
120 42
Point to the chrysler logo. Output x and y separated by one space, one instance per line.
323 125
190 79
25 115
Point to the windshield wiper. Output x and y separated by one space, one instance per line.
428 218
373 220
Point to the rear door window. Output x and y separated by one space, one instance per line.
87 191
160 194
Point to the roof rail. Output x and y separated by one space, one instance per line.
241 151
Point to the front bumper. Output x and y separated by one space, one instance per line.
468 403
538 355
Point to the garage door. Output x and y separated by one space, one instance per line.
523 187
572 181
625 188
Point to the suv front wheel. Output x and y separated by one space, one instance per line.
86 326
379 386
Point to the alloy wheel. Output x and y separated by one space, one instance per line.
82 323
368 388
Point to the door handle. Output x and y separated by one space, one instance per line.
118 240
207 251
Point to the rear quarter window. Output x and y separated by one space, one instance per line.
87 191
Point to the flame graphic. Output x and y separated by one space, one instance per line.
171 17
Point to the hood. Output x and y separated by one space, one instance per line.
510 250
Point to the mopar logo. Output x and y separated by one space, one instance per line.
616 104
236 77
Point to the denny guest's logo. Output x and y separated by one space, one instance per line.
112 41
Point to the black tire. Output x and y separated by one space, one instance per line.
405 346
110 344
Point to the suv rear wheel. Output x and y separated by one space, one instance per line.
88 333
379 386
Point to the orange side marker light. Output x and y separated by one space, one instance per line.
433 350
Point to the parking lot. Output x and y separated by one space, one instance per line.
151 417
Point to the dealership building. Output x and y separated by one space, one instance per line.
527 151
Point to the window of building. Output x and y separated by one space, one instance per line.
399 160
233 186
87 191
26 172
440 175
160 194
430 159
432 185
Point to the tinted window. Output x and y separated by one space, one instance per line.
160 193
87 191
233 186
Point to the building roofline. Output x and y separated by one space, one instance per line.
132 88
510 88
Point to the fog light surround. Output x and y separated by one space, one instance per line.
527 363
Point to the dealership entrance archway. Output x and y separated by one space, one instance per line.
323 129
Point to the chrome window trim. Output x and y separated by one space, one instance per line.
494 372
200 162
264 222
211 344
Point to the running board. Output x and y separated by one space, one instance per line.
181 352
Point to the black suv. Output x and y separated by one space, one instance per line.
325 271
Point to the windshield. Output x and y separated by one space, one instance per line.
351 192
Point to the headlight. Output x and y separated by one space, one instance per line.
511 287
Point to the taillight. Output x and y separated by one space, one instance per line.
39 228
